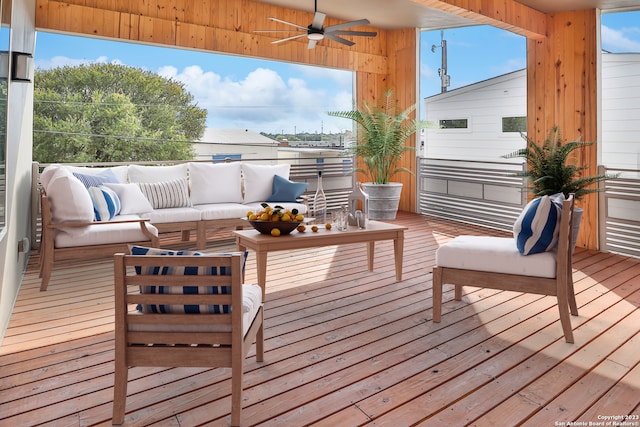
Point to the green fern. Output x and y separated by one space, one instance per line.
548 171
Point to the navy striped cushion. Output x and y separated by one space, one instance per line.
536 229
167 194
186 271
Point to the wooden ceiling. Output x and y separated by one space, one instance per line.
421 14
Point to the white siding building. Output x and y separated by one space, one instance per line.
474 116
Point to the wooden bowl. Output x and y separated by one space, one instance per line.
265 227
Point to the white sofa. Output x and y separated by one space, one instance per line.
100 207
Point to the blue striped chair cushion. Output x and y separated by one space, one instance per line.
536 229
182 271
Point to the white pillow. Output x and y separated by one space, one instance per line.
46 175
139 173
215 183
258 180
131 199
70 200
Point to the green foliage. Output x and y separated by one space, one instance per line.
548 171
112 113
382 134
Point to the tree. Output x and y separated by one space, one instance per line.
112 113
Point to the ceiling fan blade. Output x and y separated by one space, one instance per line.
347 25
353 33
318 20
288 38
288 23
331 36
279 31
312 44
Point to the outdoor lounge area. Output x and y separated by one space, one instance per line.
343 346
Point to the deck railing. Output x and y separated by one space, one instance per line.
619 212
482 193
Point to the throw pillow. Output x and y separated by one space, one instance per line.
106 203
167 194
284 190
258 180
536 229
215 183
96 180
182 271
131 199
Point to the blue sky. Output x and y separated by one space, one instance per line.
275 97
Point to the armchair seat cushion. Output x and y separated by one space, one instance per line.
103 233
494 254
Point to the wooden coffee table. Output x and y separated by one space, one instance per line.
262 244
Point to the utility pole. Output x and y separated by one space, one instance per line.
442 71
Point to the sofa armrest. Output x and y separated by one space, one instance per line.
142 221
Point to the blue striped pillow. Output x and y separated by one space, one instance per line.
96 180
180 271
536 229
106 203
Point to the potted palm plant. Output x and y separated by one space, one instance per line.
382 133
548 172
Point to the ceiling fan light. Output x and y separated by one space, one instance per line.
315 36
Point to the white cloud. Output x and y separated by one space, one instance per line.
618 40
62 61
262 100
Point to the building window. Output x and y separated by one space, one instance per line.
454 124
514 124
226 157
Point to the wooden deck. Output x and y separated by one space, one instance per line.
344 347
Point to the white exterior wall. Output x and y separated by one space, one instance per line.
621 111
483 104
18 158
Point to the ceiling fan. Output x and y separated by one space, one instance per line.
316 32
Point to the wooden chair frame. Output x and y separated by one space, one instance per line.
49 253
223 344
561 286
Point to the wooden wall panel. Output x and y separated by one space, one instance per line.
561 90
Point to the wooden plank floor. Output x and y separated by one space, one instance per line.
344 347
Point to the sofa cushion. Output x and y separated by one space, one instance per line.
536 229
494 254
139 173
167 194
120 172
215 183
103 233
131 199
222 211
70 200
250 298
106 203
96 180
284 190
258 180
162 216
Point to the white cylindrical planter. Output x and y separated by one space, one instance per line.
383 199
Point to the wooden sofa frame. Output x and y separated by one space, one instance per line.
49 254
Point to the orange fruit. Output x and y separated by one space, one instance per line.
327 226
275 232
314 228
301 228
